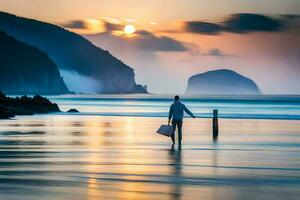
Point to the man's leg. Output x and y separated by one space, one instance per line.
179 126
174 128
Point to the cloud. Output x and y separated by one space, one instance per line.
291 17
110 27
76 24
215 52
141 39
203 27
104 24
146 40
245 23
240 23
150 42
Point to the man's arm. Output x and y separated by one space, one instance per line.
170 113
188 112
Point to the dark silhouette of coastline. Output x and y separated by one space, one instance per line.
71 52
27 70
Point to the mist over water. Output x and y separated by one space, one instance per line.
80 83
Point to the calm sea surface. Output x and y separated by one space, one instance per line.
110 150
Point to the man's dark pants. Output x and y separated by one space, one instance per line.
177 123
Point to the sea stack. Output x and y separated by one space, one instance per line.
221 82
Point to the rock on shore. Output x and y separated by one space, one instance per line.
10 107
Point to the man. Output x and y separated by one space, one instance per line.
176 114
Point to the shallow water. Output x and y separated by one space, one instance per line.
82 156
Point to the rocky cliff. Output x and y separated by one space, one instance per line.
26 70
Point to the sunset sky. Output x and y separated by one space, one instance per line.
175 39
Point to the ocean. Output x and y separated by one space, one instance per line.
110 150
237 107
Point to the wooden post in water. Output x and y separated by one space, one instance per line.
215 125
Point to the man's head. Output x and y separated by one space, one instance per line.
176 98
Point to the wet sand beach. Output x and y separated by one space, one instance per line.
102 157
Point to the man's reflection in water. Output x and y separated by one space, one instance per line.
176 171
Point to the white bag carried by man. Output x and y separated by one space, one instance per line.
166 130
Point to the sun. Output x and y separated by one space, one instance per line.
129 29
